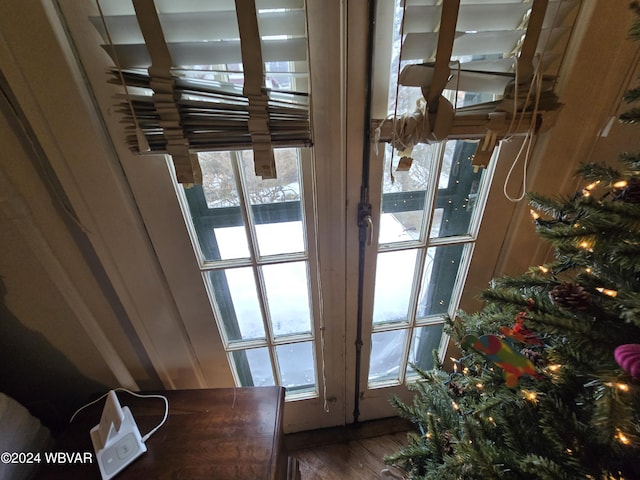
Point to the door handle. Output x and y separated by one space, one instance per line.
368 220
365 222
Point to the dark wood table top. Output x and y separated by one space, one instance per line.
228 433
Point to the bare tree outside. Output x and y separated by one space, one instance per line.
219 183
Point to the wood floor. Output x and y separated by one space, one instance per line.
347 453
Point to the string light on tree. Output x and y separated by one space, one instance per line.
587 190
455 364
622 438
585 245
607 291
622 387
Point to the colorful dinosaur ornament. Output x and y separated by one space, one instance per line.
499 352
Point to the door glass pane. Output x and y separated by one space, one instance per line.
404 198
236 298
261 300
218 179
438 279
297 366
253 367
275 204
425 341
232 243
458 187
386 356
287 289
215 209
394 279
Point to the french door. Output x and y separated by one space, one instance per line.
273 294
262 284
422 227
257 243
425 224
278 256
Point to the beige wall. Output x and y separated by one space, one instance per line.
51 286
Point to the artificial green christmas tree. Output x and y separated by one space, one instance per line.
538 392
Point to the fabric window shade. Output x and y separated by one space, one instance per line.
202 95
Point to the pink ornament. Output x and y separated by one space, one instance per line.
628 357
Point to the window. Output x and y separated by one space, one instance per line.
230 81
252 238
428 223
430 215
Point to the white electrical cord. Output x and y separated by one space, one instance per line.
120 389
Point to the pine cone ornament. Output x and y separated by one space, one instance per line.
536 357
456 388
446 443
630 192
571 296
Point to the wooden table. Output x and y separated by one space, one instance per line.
228 433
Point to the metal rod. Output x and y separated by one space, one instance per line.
364 207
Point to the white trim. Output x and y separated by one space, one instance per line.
15 208
64 119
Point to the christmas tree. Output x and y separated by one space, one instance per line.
548 382
633 95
